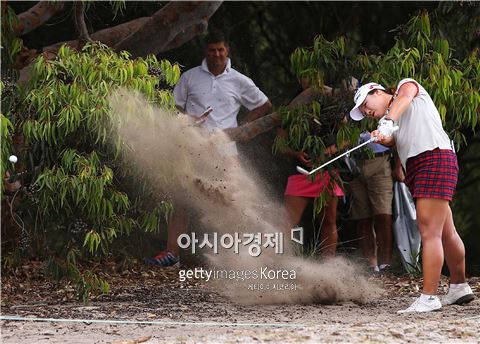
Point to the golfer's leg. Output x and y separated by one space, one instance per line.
294 208
367 240
328 231
431 217
176 226
384 234
454 250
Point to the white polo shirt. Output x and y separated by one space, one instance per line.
198 89
420 126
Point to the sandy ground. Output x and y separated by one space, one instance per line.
194 313
308 324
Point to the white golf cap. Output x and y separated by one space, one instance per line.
360 96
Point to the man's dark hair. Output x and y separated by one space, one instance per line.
215 37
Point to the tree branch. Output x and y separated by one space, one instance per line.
171 26
250 130
186 35
80 26
37 16
109 36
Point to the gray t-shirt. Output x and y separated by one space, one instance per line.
420 126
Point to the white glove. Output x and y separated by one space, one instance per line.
386 127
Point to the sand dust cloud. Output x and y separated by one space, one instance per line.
188 164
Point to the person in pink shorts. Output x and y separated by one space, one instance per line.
300 191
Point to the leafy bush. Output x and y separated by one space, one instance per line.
80 196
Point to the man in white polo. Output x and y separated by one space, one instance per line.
216 85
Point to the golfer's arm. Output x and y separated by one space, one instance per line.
406 93
259 112
399 106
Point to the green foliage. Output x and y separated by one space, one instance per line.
118 6
69 95
325 62
313 128
463 34
82 197
453 85
86 283
6 129
11 45
415 269
11 261
90 283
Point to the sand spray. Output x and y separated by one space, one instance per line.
189 164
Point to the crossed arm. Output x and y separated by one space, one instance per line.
258 112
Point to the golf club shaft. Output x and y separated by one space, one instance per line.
343 154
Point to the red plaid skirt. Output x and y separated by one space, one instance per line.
432 174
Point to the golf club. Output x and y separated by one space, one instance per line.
305 172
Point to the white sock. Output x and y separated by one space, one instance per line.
383 266
458 286
427 298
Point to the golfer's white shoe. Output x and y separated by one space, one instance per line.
423 304
460 295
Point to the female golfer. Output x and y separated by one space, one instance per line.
410 120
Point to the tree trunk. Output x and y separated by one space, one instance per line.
37 16
109 36
171 26
80 26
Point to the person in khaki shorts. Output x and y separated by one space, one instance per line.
372 194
